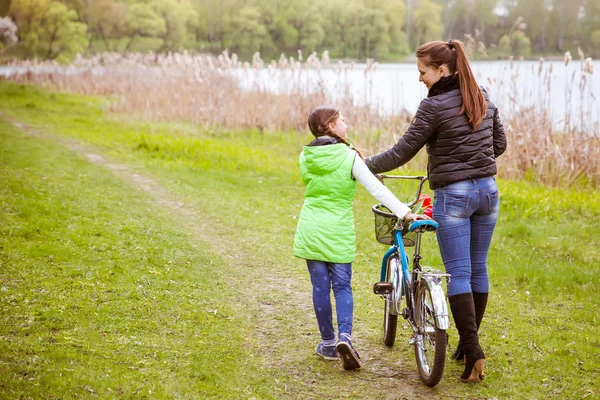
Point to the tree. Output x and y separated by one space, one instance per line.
276 16
48 29
307 21
215 21
249 32
396 14
178 17
537 15
27 15
338 38
590 23
426 23
348 28
310 34
463 18
372 30
375 28
62 33
4 7
106 21
516 43
565 21
595 40
142 21
168 20
466 16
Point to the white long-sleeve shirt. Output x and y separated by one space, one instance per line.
362 174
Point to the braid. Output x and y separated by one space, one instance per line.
347 143
319 130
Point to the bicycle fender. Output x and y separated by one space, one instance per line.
429 224
440 306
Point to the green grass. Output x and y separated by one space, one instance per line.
102 295
106 290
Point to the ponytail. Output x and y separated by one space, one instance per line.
474 104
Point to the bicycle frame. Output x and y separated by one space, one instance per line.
403 281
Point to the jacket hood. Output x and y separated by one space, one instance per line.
321 160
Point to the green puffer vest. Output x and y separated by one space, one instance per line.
325 229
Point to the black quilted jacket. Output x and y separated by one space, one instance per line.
456 152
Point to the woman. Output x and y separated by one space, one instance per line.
462 132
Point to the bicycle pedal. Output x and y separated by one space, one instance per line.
383 288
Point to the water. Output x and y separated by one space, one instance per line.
392 88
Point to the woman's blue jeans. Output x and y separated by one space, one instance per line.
326 276
466 212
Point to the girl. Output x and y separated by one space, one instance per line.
325 235
463 134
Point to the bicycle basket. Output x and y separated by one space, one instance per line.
385 221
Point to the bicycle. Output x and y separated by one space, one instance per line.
426 309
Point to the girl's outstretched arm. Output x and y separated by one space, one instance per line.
362 174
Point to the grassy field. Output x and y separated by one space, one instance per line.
146 260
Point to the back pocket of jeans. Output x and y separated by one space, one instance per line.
456 206
493 201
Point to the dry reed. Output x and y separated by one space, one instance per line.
224 93
561 152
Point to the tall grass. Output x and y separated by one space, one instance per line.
223 93
560 153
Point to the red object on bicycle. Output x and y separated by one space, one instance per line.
427 207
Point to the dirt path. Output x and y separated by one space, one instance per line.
279 303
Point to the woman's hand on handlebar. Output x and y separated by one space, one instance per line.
415 217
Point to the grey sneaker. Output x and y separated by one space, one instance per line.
347 353
327 352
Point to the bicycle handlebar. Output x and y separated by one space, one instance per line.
421 179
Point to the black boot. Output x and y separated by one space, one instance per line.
480 300
463 311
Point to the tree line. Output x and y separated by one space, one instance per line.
353 29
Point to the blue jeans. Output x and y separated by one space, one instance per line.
324 277
466 212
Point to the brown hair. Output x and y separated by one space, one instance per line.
319 119
453 54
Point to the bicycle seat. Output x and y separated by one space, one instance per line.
425 225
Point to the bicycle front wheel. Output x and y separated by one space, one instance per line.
390 314
430 344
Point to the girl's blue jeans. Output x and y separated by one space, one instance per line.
326 276
466 212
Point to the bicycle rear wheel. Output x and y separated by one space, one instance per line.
390 314
430 344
